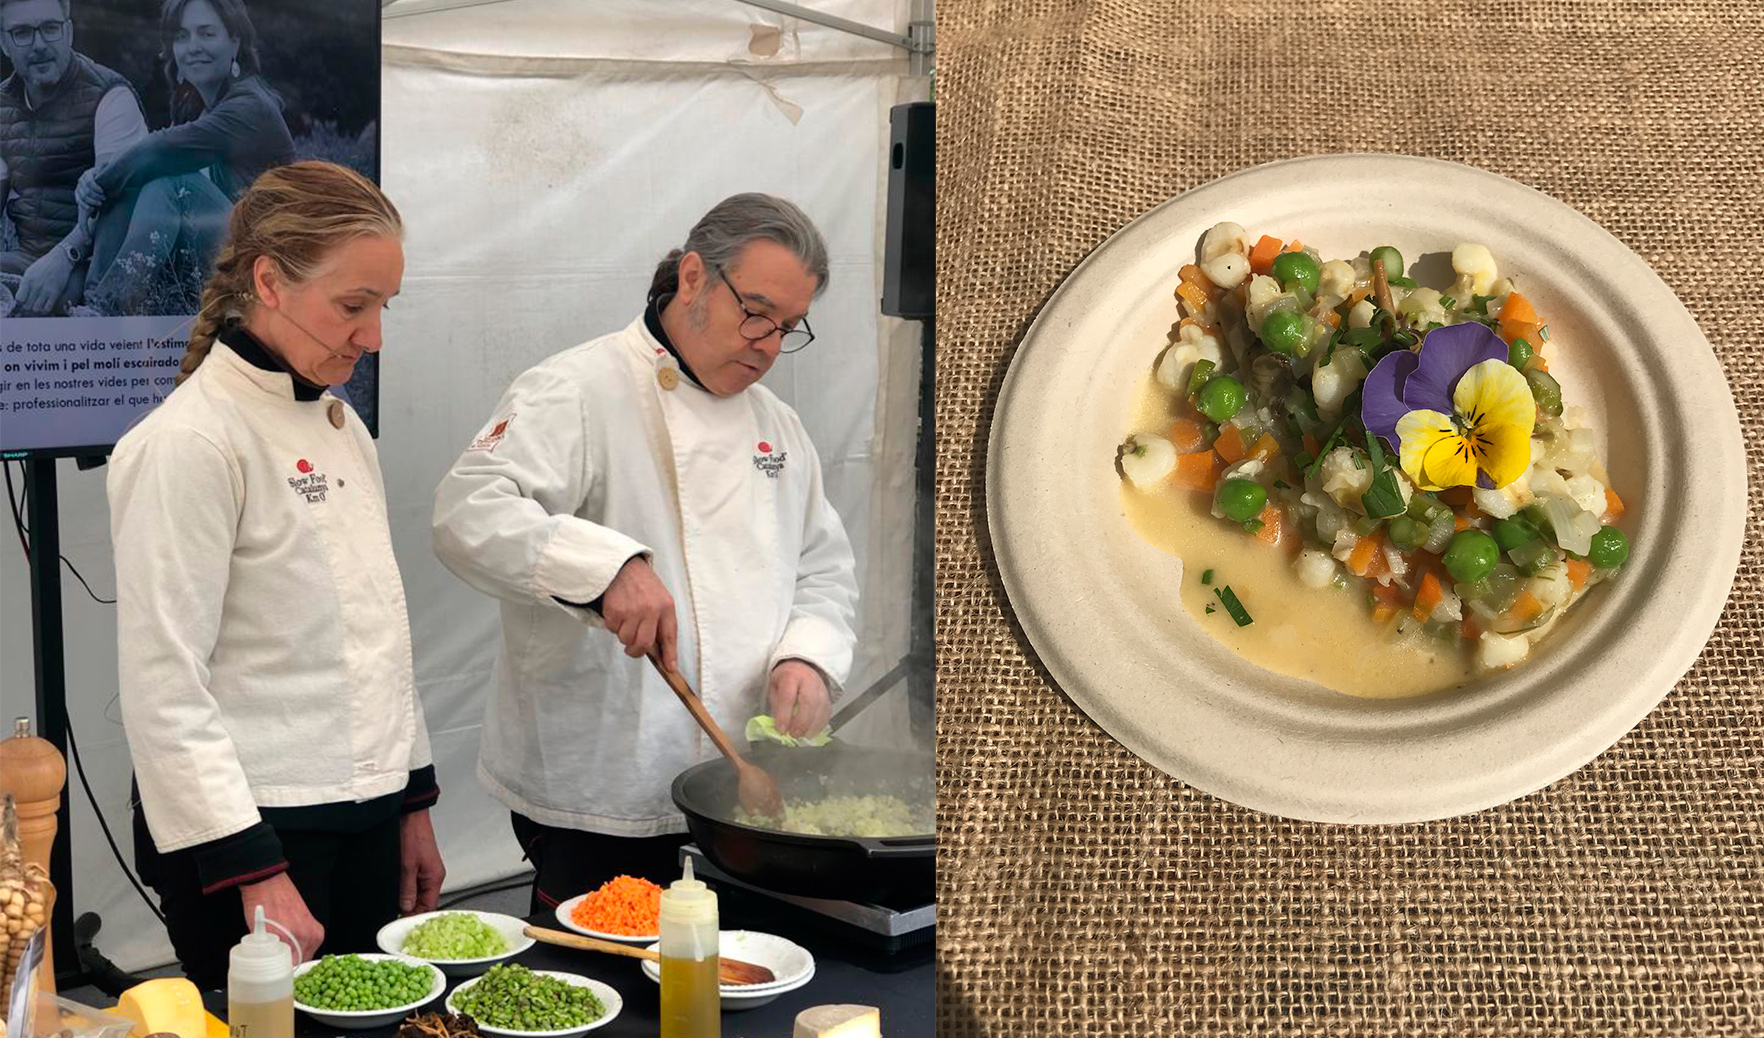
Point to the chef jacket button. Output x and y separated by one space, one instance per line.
336 413
668 377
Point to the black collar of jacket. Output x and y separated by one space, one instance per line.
652 321
259 356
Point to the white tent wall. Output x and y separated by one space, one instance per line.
545 154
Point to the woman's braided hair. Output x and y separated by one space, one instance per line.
295 215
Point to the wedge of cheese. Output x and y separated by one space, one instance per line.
839 1022
170 1005
217 1028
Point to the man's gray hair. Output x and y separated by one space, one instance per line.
738 221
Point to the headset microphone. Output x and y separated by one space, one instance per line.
327 346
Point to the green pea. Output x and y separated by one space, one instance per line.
1241 499
1393 261
1406 533
1609 548
1471 556
1546 391
1519 354
1221 398
1283 331
1513 532
1296 266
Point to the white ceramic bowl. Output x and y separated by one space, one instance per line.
1096 601
564 920
608 998
362 1019
391 940
791 964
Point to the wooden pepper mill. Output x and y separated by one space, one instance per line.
33 771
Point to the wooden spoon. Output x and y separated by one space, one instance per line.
755 789
729 971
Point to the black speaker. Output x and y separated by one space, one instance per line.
909 254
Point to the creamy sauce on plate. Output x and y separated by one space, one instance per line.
1325 635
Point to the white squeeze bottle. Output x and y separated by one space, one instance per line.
260 986
690 998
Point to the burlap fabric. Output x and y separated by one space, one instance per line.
1083 892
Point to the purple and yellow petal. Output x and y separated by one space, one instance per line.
1419 432
1381 395
1492 394
1503 452
1450 462
1446 354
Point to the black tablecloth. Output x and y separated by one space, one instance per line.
901 983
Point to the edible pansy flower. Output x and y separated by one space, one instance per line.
1459 414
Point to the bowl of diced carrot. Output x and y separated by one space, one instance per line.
624 908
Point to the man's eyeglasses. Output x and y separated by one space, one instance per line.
25 35
755 327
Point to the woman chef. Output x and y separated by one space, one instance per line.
278 744
642 485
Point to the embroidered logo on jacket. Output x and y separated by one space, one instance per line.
768 461
309 484
488 440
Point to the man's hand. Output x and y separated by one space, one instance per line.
283 903
420 871
44 285
638 608
87 192
798 696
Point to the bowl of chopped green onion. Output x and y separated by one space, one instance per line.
516 1002
461 943
366 990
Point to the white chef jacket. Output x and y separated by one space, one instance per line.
262 639
600 453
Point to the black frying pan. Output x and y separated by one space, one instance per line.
895 870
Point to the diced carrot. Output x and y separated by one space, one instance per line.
1525 608
1331 318
1311 445
1230 445
1197 471
1273 527
1186 436
1457 497
1294 246
1380 562
1198 278
1460 524
1261 257
1538 363
1389 594
1430 595
1578 571
1469 630
1510 330
1360 561
1266 449
1359 294
1518 309
1613 506
1383 614
1193 295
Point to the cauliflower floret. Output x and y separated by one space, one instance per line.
1476 261
1225 238
1422 306
1314 568
1227 271
1195 344
1502 503
1550 586
1264 293
1248 468
1498 651
1450 608
1588 493
1334 382
1343 480
1224 255
1345 539
1336 279
1361 314
1147 459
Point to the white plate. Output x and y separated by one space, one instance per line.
392 936
791 964
1095 600
608 998
563 919
355 1020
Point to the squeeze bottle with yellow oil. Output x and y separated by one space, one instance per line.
260 985
690 998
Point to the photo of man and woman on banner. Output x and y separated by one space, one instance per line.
127 130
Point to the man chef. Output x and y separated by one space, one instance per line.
642 493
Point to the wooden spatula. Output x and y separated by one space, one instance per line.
755 789
729 971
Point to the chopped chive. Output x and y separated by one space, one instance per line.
1303 460
1408 283
1359 462
1203 370
1233 606
1210 609
1207 577
1281 484
1543 332
1252 526
1447 302
1480 303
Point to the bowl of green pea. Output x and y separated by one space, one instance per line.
359 991
513 1001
